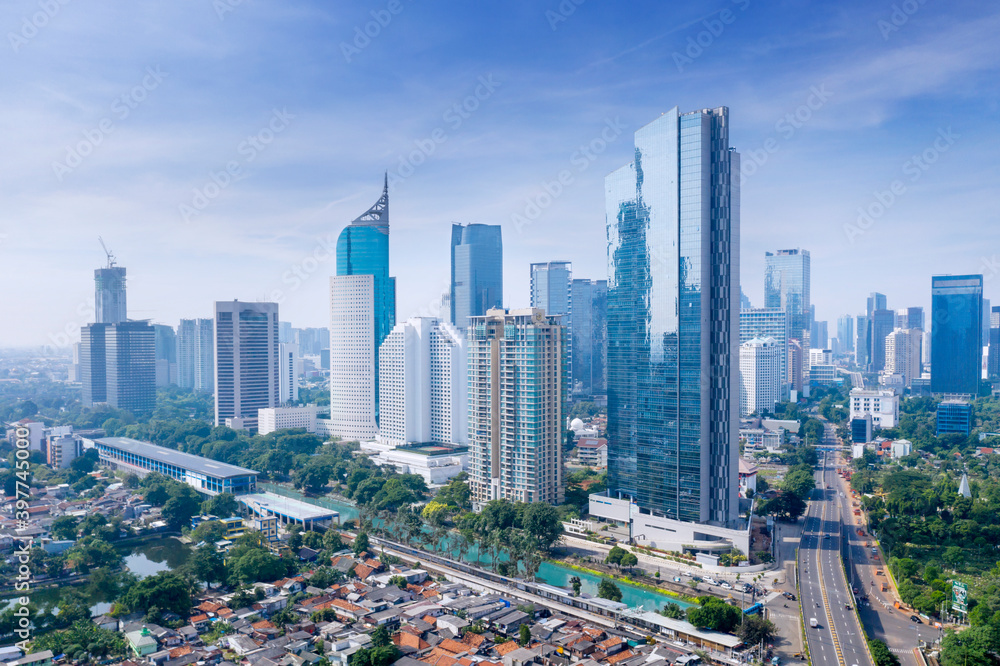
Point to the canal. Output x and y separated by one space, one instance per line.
551 573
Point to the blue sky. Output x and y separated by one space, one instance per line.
115 116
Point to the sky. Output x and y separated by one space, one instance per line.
219 146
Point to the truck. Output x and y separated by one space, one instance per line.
813 622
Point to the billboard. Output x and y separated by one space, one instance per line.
959 597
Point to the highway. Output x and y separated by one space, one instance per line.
824 593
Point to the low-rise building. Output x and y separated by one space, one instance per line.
281 418
881 404
954 415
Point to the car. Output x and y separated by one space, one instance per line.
710 580
725 586
789 596
813 622
677 579
914 618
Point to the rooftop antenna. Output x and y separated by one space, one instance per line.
111 257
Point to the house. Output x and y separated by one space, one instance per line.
141 642
43 658
106 622
200 622
241 645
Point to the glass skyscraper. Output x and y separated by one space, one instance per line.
109 295
363 249
787 285
673 307
956 333
845 333
476 271
589 336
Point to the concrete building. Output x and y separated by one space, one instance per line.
592 451
165 354
63 449
788 285
768 323
845 333
954 415
760 376
861 429
820 357
423 370
110 303
902 354
130 366
196 355
901 447
289 369
517 395
281 418
436 464
476 272
246 360
551 289
881 404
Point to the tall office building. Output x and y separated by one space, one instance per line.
130 353
476 271
424 384
289 369
876 301
93 364
845 333
196 355
362 312
552 292
517 393
797 359
956 333
861 347
902 353
285 332
787 285
673 308
745 303
166 355
109 295
760 375
993 349
880 324
246 360
819 336
768 323
588 333
986 321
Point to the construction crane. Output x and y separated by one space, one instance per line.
111 257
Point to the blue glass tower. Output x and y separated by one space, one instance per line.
956 333
363 249
673 319
476 271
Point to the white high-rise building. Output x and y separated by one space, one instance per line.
352 357
423 384
289 369
820 357
246 360
196 355
760 375
902 353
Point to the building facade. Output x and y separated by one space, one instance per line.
760 376
902 354
954 415
881 404
246 360
166 355
476 271
424 384
993 349
517 393
673 320
768 323
289 369
196 355
956 333
130 354
845 333
362 312
880 324
788 285
282 418
110 305
588 333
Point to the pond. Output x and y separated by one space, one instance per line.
143 559
549 572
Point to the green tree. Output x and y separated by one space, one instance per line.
629 560
524 637
166 591
673 611
756 629
608 590
541 522
380 637
714 614
615 555
222 505
64 527
360 543
576 584
881 655
207 565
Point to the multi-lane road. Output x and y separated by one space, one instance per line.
837 640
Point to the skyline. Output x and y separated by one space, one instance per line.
209 81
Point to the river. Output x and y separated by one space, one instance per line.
553 574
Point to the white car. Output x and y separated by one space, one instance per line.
710 580
725 586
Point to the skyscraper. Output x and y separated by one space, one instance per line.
845 333
476 271
673 307
589 337
424 384
956 333
109 294
166 355
288 372
552 292
880 324
246 360
362 312
902 353
760 375
819 336
768 323
93 364
517 396
130 351
196 355
861 347
993 353
788 285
